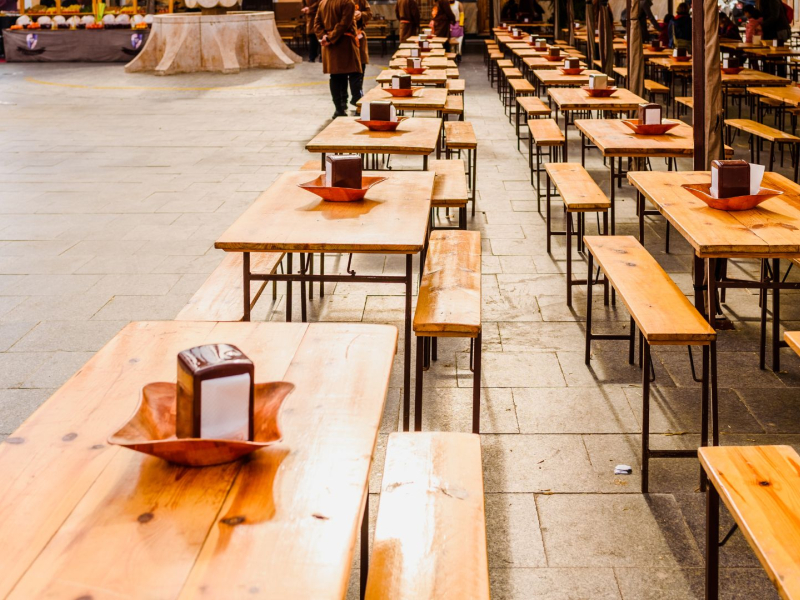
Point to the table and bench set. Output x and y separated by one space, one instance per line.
86 518
760 485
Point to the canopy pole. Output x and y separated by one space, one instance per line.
699 84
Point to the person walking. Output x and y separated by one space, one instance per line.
681 27
774 22
362 16
407 12
443 17
457 30
309 10
335 27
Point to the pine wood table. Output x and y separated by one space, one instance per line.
406 53
415 44
769 232
787 94
433 40
85 519
436 77
571 99
751 77
433 62
392 219
415 136
555 78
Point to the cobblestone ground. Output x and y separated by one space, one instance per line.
114 187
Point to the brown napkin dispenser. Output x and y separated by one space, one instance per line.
572 63
401 82
730 178
214 393
650 114
343 171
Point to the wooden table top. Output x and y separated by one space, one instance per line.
533 53
753 77
760 485
406 53
433 62
793 340
668 62
409 45
768 51
537 62
556 77
392 219
87 519
428 98
788 94
740 45
433 40
570 98
771 230
614 138
430 77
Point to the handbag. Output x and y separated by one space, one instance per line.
456 31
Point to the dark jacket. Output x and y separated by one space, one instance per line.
682 27
509 11
361 24
443 19
335 18
775 20
407 12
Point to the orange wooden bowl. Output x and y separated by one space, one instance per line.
402 93
703 191
681 58
412 71
640 129
381 125
654 49
599 93
335 194
151 430
553 58
577 71
517 37
733 70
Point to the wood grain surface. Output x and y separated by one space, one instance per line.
578 99
424 99
760 485
450 183
86 519
415 135
392 219
578 190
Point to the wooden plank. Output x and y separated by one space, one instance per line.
430 537
661 311
298 541
415 135
425 99
220 297
429 77
789 94
537 62
760 485
614 138
157 515
533 106
449 301
406 53
578 99
669 63
450 184
392 219
577 188
752 77
763 131
793 339
545 132
554 77
460 134
521 86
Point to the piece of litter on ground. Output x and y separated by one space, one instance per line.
622 470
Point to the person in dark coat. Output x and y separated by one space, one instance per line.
310 11
509 11
442 20
407 12
774 22
362 15
681 27
335 26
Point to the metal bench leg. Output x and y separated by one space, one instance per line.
548 224
472 155
476 386
364 566
632 342
712 542
418 384
704 411
569 259
289 288
589 277
645 415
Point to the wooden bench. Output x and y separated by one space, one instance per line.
517 88
430 535
449 189
542 133
456 86
685 101
220 298
580 195
792 339
653 89
449 305
760 485
663 316
531 107
454 105
493 68
452 73
760 132
507 73
458 136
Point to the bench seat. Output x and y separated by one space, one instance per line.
456 86
454 105
460 135
449 184
220 297
545 132
533 106
762 131
760 485
793 340
430 534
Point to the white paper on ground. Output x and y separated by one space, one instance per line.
623 470
225 411
756 175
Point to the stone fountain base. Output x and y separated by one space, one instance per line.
225 43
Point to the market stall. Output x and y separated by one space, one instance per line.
87 45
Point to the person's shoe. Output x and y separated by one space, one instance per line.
338 114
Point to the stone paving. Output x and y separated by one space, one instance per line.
114 188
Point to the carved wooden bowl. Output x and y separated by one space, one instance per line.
413 71
599 93
661 129
553 58
336 194
703 191
152 429
402 93
576 71
381 125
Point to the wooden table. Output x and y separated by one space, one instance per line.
770 231
426 99
433 40
555 78
539 63
436 77
570 99
787 94
410 45
433 62
751 77
392 219
85 519
406 53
